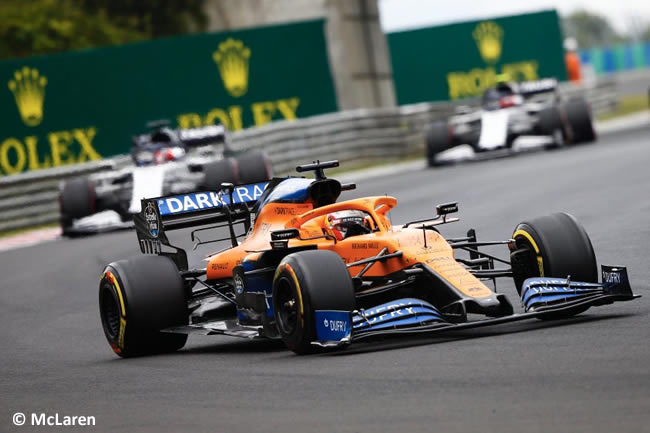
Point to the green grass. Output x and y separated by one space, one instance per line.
627 105
27 229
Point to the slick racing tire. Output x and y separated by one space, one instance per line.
77 199
254 167
550 123
304 282
138 298
218 172
580 121
554 246
438 140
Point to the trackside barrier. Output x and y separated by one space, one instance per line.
363 135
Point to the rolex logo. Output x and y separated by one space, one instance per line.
489 36
232 60
28 88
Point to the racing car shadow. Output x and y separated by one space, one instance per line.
452 336
238 346
235 345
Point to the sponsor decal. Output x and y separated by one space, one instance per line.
239 284
332 325
65 147
232 58
407 311
392 310
286 211
151 217
209 200
614 275
28 87
365 246
220 266
546 285
489 42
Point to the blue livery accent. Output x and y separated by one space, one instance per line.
293 190
541 291
333 325
400 313
198 201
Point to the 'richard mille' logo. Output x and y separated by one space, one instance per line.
28 87
489 36
232 60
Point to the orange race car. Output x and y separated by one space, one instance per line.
318 273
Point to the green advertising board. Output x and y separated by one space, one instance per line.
462 60
79 106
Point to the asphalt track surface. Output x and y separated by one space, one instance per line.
588 374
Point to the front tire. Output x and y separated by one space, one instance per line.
580 121
554 246
550 123
77 199
304 282
438 140
137 299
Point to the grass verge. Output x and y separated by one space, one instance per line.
628 104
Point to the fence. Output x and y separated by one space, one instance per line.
622 57
358 135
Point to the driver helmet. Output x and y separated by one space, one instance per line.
345 223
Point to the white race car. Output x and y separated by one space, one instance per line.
166 161
509 111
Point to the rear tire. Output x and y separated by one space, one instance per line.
554 246
77 199
137 299
218 172
254 167
580 121
307 281
438 140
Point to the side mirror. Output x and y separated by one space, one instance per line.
281 235
227 188
446 208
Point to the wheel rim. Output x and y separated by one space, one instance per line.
110 311
287 307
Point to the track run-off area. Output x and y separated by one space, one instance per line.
587 374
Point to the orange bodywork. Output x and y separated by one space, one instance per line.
437 254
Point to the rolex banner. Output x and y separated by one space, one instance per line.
80 106
462 60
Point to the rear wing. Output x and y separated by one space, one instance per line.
191 137
530 88
161 214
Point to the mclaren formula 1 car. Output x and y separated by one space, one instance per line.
509 111
320 274
165 161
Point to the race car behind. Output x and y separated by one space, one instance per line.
165 161
509 111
